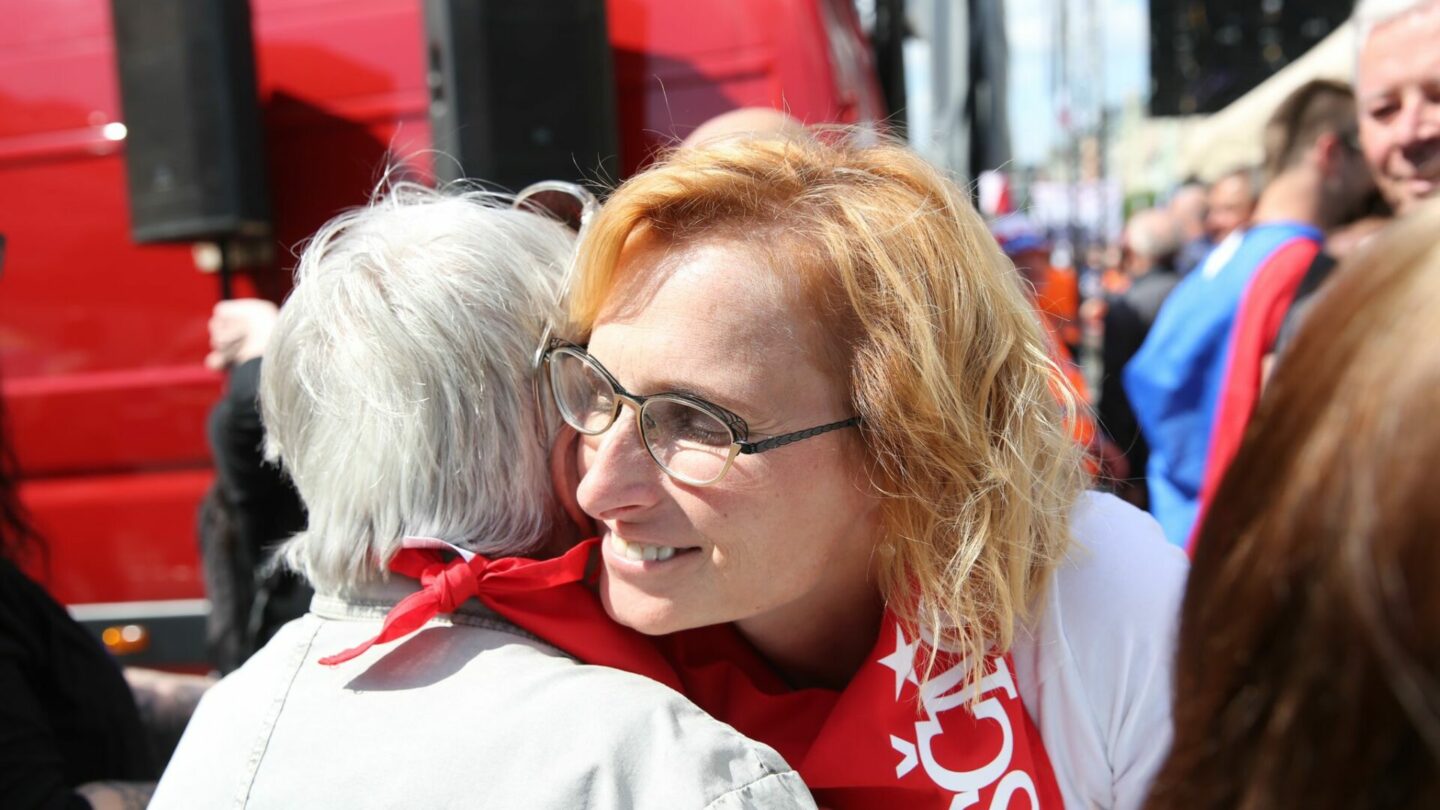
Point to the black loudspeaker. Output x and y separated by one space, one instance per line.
194 142
1205 54
520 90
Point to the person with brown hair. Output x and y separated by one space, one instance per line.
1309 663
1317 177
1205 347
71 736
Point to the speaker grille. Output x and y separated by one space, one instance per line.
520 91
194 143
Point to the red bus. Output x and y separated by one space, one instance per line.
101 338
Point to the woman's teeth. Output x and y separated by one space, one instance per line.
638 552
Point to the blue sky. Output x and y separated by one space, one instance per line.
1123 46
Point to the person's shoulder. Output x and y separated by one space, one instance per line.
599 727
1292 255
1095 662
1186 298
573 734
1150 291
221 749
668 737
1118 589
232 701
1110 527
1266 242
22 599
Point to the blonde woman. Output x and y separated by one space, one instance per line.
818 409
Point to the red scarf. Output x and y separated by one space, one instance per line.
882 742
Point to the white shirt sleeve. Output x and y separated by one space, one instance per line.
1095 665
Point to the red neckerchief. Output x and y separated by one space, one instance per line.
882 742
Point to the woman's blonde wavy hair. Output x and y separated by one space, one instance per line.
964 413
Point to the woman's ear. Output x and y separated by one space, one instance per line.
565 479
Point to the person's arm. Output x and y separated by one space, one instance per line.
1107 651
258 501
239 330
166 698
116 795
32 768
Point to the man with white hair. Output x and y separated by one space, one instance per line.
1397 87
1397 93
396 391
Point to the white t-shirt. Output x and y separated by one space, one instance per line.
1095 666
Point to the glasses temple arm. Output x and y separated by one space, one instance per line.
790 438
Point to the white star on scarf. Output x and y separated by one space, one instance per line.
902 661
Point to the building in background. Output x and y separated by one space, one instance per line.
1205 54
957 65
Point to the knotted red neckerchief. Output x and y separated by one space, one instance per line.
885 741
546 597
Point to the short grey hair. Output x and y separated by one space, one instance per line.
396 388
1371 14
1153 233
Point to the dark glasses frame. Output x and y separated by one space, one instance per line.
739 431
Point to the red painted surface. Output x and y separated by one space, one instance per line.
679 64
101 339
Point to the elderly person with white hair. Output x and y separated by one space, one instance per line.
1397 90
396 391
1397 96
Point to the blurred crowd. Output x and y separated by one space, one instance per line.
447 527
1194 306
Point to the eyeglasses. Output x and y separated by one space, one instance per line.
567 202
692 440
574 206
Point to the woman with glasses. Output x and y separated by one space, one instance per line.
818 412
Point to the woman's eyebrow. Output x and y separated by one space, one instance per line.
696 391
659 384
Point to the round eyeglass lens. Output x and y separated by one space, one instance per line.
691 443
585 398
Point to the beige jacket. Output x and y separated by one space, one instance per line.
468 712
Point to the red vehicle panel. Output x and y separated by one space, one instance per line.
101 339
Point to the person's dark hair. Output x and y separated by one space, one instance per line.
1310 631
18 539
1316 108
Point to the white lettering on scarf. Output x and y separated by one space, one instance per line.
945 693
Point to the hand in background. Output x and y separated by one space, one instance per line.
239 330
117 795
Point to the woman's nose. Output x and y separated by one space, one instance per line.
617 475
